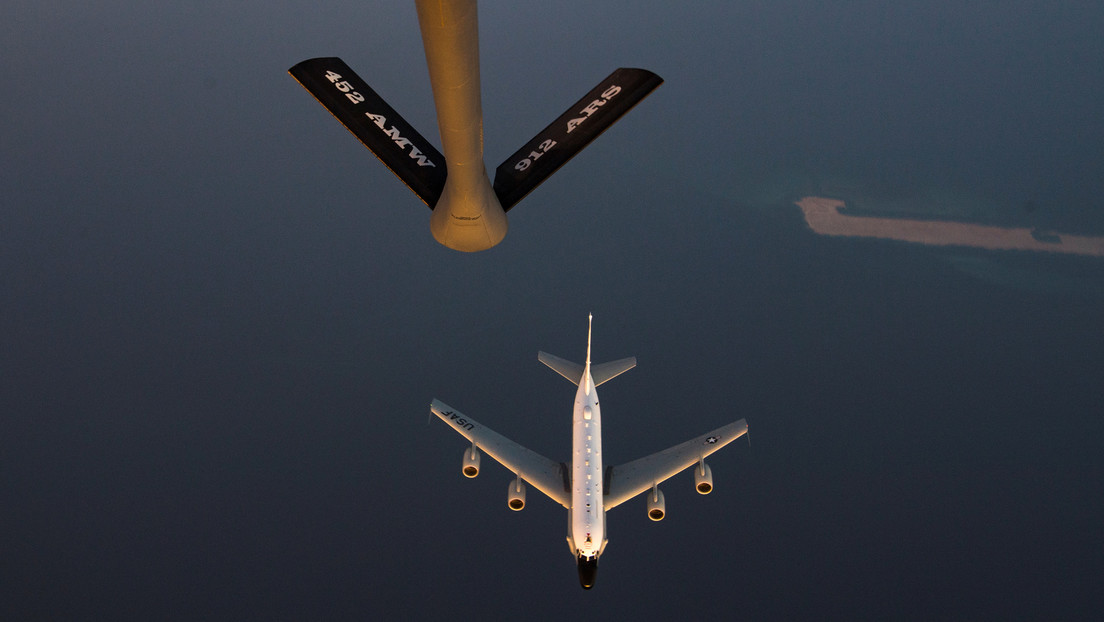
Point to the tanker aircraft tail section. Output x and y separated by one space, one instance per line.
469 213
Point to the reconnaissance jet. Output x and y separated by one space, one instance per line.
586 487
469 214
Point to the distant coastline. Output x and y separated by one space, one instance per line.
824 218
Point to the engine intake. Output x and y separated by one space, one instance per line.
471 462
515 496
703 479
656 505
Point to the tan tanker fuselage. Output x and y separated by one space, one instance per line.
468 216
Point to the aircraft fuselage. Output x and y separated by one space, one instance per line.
468 216
587 533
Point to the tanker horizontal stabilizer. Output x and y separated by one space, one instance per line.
376 124
573 130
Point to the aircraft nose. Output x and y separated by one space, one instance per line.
588 571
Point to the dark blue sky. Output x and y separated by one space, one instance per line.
223 320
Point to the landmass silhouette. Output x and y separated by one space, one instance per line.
823 217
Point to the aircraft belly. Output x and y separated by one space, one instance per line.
588 513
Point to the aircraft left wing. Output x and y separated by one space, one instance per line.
546 476
632 478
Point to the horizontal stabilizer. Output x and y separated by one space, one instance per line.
567 135
376 124
574 371
567 369
609 371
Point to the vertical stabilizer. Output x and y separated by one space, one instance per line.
587 379
590 322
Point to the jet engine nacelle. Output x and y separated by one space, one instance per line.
656 506
703 479
515 496
471 462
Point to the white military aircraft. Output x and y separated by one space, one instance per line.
587 488
469 214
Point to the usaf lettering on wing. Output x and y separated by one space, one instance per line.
460 421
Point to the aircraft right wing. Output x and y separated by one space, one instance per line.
632 478
546 476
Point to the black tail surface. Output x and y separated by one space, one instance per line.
573 130
376 124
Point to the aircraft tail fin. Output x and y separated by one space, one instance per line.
573 130
574 371
376 124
